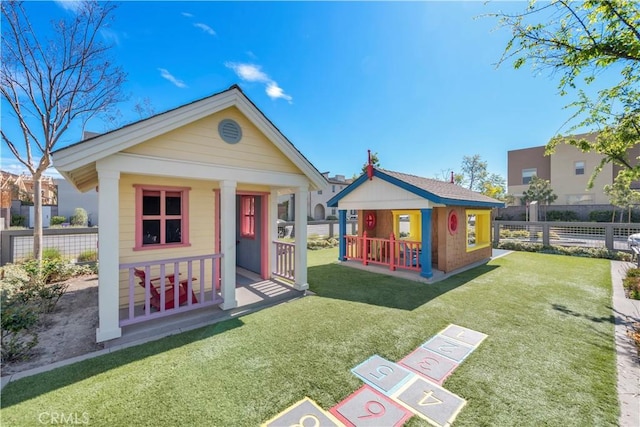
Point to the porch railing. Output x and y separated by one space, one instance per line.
285 260
391 252
171 286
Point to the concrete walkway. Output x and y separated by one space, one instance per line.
626 312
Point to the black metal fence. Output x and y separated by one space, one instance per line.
72 243
612 236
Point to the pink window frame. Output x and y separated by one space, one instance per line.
248 216
184 216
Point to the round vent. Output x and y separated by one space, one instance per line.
230 131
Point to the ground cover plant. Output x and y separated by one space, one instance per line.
548 360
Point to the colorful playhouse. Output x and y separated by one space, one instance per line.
449 226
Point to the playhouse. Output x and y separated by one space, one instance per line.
186 198
449 226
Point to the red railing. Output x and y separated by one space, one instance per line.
395 253
192 282
285 260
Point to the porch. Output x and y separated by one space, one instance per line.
252 294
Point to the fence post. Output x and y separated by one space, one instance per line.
392 252
545 233
365 249
6 248
608 237
496 233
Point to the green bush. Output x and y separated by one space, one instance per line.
88 256
332 218
51 253
57 220
80 217
562 216
565 250
322 243
18 220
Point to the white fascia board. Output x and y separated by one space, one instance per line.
146 165
129 136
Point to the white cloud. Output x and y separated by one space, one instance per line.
110 36
187 14
167 75
72 5
274 91
204 27
253 73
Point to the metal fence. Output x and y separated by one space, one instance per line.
612 236
17 245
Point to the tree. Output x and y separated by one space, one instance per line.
621 195
584 39
539 191
474 170
49 83
494 186
445 175
374 161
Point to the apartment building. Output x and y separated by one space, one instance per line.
568 169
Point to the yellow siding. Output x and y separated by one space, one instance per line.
201 227
199 141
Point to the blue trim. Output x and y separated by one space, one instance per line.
425 256
342 232
333 202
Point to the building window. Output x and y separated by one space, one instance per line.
161 217
248 217
319 191
579 168
333 211
407 224
478 229
333 188
527 174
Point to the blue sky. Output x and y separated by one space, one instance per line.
415 82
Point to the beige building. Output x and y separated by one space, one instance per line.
568 169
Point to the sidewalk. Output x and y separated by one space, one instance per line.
626 311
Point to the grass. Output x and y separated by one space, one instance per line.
548 359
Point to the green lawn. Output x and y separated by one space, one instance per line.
548 359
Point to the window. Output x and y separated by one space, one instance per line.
407 225
333 188
248 217
527 174
579 168
161 216
319 191
478 229
333 211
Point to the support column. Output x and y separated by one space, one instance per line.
425 257
342 240
301 239
109 256
228 243
273 226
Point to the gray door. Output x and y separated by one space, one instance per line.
249 232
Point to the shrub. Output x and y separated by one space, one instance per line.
332 218
565 250
17 337
18 220
57 220
51 253
88 256
322 243
80 217
562 216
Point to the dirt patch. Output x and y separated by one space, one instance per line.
67 332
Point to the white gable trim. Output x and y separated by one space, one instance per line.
156 166
101 147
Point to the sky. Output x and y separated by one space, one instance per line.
414 82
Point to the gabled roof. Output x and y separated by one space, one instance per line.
436 191
77 162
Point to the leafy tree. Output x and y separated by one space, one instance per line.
539 191
621 195
49 83
374 161
445 175
494 186
579 41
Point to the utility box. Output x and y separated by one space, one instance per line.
46 216
533 211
